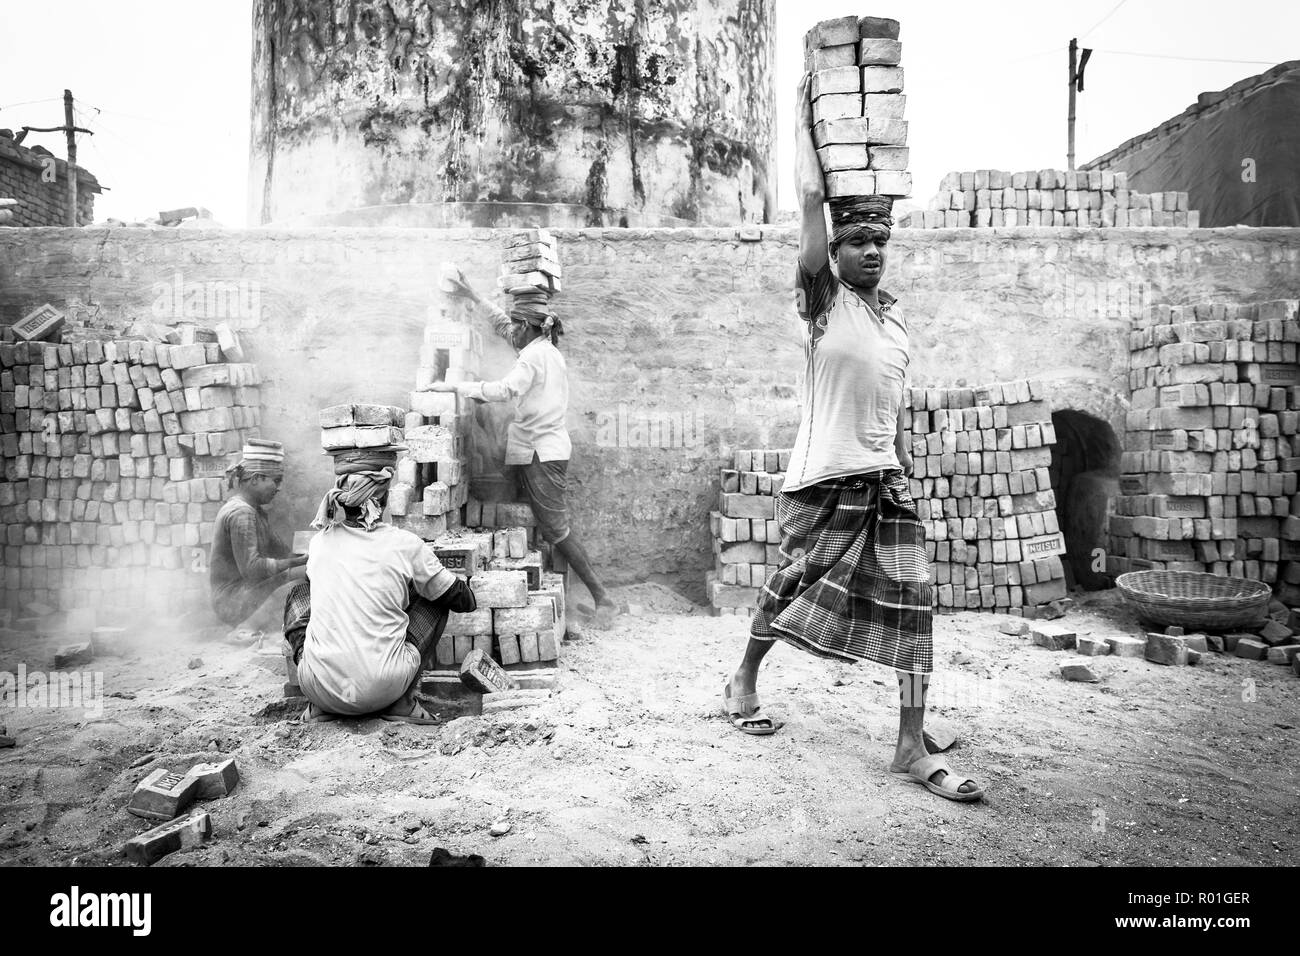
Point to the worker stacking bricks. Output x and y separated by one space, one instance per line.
981 482
858 103
1209 473
114 455
1049 197
744 530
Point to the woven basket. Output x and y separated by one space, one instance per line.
1195 600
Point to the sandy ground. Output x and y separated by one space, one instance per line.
631 763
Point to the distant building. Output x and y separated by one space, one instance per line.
39 181
1233 152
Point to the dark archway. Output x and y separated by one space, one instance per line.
1085 476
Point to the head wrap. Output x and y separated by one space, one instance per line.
259 457
353 461
355 490
534 309
855 215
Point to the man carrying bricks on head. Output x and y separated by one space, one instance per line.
853 580
249 567
376 600
537 444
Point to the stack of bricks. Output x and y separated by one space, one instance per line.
858 103
1049 197
431 488
531 270
114 453
745 535
981 482
1209 469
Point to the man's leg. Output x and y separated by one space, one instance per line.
544 483
265 615
426 624
297 614
911 747
745 680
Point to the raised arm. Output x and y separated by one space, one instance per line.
482 308
810 186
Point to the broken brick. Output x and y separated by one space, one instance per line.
1078 672
1093 646
153 845
215 779
162 795
1124 645
1053 637
480 672
1251 649
70 655
1166 649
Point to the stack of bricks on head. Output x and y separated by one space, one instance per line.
530 273
114 455
1049 197
858 101
982 486
1208 475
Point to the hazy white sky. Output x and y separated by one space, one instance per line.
165 83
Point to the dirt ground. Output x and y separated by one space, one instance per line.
630 761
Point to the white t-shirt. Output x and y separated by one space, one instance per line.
356 659
855 373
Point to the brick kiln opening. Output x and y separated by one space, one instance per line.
1085 475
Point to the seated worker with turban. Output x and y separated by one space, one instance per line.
248 564
537 443
364 624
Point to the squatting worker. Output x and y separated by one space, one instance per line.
537 443
852 583
249 565
364 624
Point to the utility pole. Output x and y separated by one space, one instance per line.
72 152
70 131
1074 53
1077 66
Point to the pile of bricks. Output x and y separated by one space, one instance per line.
432 482
1209 469
858 103
981 458
744 530
531 270
1049 197
114 453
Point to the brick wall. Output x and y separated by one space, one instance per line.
680 343
41 202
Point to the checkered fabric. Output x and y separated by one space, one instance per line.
426 621
854 580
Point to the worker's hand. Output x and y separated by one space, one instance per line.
803 103
298 561
454 283
441 387
905 459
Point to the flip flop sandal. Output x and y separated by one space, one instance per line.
733 707
923 769
418 715
314 715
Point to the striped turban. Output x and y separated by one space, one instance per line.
858 215
259 457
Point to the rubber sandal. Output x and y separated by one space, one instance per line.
314 715
418 715
734 708
926 767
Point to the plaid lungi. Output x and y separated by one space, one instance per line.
426 621
854 581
